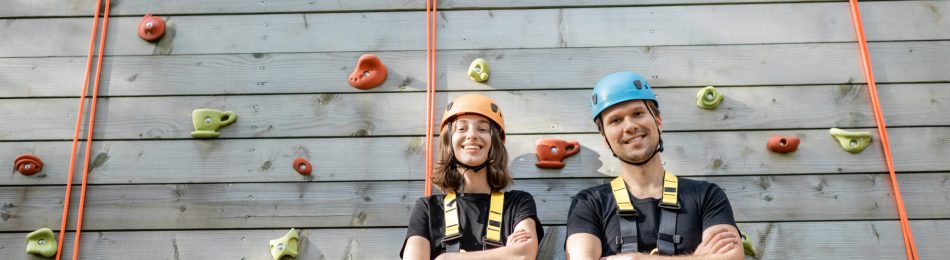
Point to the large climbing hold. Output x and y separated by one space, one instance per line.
551 152
708 98
853 142
208 121
479 70
28 164
41 242
285 246
369 72
783 144
151 28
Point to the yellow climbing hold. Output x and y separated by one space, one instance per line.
853 142
285 246
41 242
708 98
479 70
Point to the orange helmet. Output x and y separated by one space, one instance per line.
474 104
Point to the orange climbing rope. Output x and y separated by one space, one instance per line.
92 121
92 126
909 246
79 116
431 11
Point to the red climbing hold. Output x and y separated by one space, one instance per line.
783 144
369 73
302 166
28 164
550 152
151 28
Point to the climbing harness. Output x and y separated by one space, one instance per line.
627 214
453 232
909 246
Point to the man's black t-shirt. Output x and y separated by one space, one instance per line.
428 219
703 204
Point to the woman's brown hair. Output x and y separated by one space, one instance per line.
446 175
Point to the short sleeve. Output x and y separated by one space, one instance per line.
525 208
418 223
584 215
716 208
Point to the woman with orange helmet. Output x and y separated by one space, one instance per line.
475 213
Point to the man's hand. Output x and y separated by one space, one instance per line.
718 240
518 237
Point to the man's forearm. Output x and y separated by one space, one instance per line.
524 251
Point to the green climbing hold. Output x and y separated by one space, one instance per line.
208 121
747 246
41 242
285 246
708 98
853 142
479 70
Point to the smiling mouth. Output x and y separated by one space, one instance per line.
634 140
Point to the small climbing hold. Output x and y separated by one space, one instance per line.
302 166
551 152
783 144
708 98
208 121
853 142
28 164
151 28
479 70
747 246
285 246
369 73
41 242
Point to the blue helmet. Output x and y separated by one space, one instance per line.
619 87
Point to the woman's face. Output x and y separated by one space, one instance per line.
471 139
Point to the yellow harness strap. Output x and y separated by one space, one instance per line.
492 229
667 238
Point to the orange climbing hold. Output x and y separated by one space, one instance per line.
28 164
302 166
783 144
369 73
151 28
551 152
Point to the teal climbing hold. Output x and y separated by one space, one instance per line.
285 246
708 98
853 142
479 70
41 242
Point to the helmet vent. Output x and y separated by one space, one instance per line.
449 106
494 108
637 84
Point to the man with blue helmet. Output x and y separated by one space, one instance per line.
646 212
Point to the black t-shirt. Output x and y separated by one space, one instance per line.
428 219
702 205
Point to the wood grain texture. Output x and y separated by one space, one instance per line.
512 69
536 28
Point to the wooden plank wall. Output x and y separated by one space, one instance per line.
786 67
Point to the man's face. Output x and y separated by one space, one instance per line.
631 130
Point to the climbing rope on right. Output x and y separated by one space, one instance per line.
909 246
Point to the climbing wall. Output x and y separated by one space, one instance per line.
784 67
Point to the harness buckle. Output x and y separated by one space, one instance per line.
670 206
628 213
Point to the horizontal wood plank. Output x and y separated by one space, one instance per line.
527 112
772 240
43 8
402 158
385 204
535 28
512 69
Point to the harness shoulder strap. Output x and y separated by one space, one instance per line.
669 205
453 232
627 215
